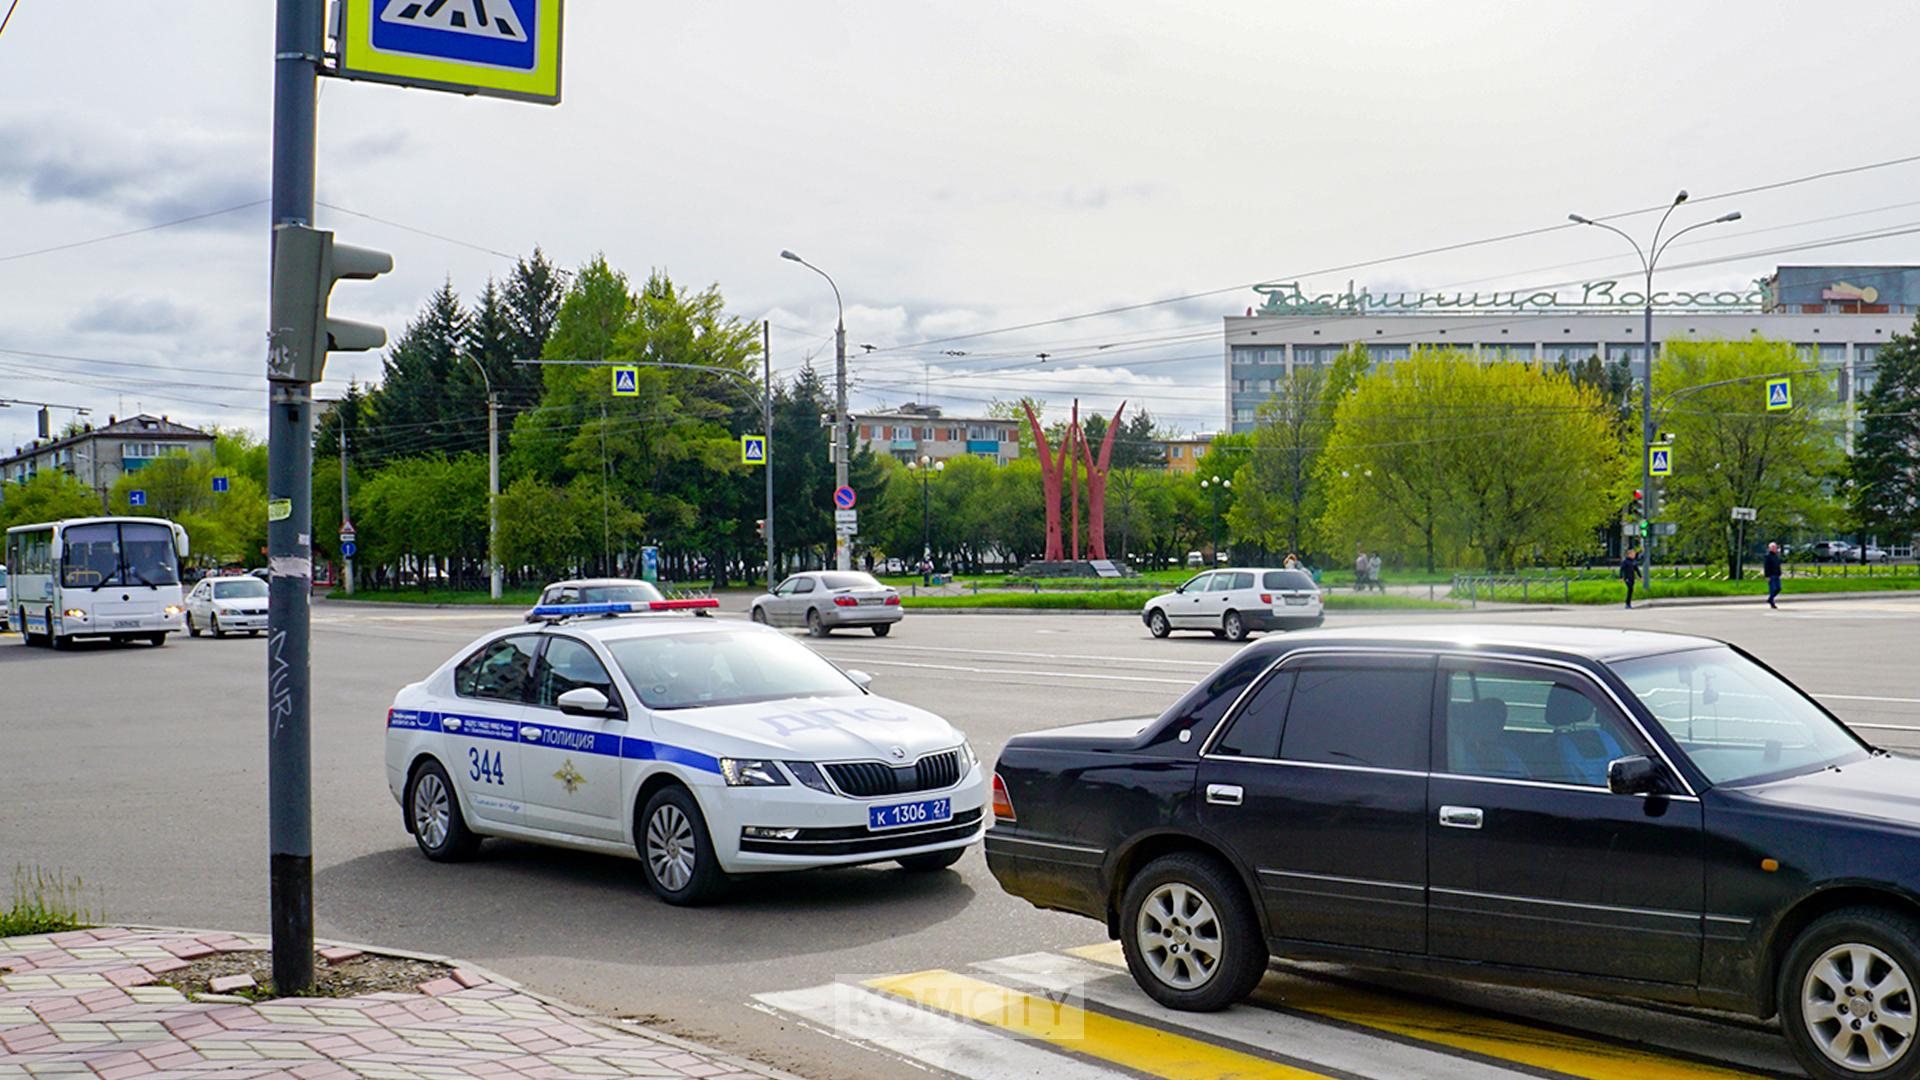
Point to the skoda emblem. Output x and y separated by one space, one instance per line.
899 753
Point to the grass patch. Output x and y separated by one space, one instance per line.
46 902
1615 591
1135 599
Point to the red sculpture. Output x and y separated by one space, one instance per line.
1049 482
1074 451
1097 484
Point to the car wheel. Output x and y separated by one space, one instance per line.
193 628
815 628
1157 624
882 629
1847 995
438 826
759 615
675 850
931 861
1233 627
213 623
1190 935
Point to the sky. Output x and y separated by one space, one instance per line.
958 169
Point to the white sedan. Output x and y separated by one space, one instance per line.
227 605
702 748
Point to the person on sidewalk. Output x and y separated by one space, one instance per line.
1373 573
1359 569
1771 564
1630 572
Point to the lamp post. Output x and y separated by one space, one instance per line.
926 467
493 480
1217 486
843 554
1650 258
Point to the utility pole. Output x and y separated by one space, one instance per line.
843 552
766 417
296 60
493 492
346 561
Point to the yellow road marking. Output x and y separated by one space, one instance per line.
1460 1029
1135 1046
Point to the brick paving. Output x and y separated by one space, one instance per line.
85 1003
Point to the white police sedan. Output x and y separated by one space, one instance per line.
703 748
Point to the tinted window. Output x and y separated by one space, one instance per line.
1201 707
730 667
849 581
237 589
1233 581
1375 716
92 556
149 554
803 585
1528 724
500 671
638 592
1287 580
1256 727
569 665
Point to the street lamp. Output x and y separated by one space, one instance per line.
493 481
843 554
926 467
1217 486
1650 258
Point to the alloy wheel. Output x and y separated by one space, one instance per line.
1179 936
432 810
670 848
1858 1005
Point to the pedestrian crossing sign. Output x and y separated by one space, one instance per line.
1660 461
501 48
753 449
1779 394
626 382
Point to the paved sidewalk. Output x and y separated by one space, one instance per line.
84 1003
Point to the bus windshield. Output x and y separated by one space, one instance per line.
118 553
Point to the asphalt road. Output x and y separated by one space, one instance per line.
143 771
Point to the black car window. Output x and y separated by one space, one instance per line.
569 665
1255 730
1525 723
1360 714
1287 580
500 671
1203 706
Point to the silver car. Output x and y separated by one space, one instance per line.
827 600
595 591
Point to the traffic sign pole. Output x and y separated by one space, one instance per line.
766 417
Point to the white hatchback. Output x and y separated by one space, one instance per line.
1235 601
702 748
227 605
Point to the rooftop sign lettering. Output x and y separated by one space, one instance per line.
1286 298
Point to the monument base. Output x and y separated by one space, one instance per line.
1072 568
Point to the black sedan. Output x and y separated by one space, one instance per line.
1596 811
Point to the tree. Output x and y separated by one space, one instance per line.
1384 482
1729 451
1885 470
1137 447
1276 494
50 495
411 406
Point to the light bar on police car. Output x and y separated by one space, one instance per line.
561 611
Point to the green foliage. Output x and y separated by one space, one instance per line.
223 528
45 902
1885 470
1276 498
49 496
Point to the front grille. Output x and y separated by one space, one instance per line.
859 841
872 779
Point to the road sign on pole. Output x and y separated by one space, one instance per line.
626 382
136 498
348 549
501 48
843 497
753 449
1779 394
219 485
1660 461
1745 513
846 517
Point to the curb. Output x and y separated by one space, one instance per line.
1756 599
630 1026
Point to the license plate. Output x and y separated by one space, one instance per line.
126 624
1296 599
901 815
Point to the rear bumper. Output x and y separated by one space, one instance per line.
1282 619
1048 874
864 615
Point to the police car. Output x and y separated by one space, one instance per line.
703 748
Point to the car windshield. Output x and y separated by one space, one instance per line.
638 592
727 667
118 553
848 581
239 588
1288 580
1736 720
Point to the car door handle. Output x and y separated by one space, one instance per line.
1462 817
450 723
1224 794
530 733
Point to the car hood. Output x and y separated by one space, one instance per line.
866 727
1879 788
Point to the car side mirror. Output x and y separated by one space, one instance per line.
860 678
586 701
1635 775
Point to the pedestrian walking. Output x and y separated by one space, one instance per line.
1359 569
1373 573
1630 571
1771 564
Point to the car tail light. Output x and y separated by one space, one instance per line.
1002 803
1266 598
845 601
894 600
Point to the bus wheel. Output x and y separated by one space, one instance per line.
62 642
157 640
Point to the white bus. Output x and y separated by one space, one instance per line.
112 577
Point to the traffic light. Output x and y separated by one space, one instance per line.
760 527
1638 507
306 263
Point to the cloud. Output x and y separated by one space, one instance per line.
137 315
149 174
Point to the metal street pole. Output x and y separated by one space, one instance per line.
346 561
843 552
296 59
766 419
493 492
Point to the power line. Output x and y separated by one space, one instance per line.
422 232
131 232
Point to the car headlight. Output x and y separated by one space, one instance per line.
75 613
750 772
968 759
809 774
171 610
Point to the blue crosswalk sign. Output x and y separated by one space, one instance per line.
136 498
753 449
626 382
1660 461
1779 394
505 48
219 485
